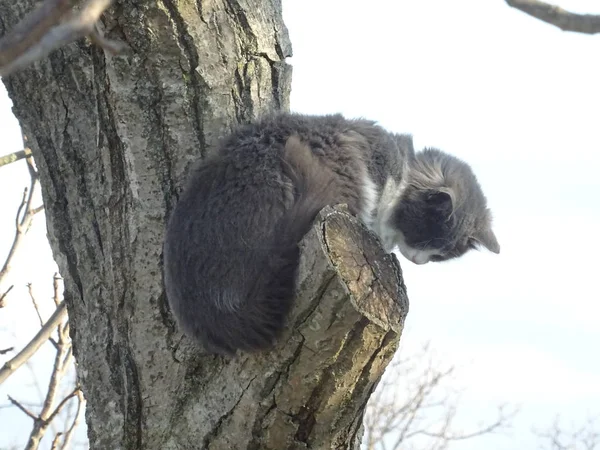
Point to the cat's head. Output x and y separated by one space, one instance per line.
442 213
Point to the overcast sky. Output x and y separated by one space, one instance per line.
517 99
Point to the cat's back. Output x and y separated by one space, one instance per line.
265 138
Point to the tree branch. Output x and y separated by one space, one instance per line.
395 417
42 336
23 219
50 27
14 157
62 361
585 437
35 304
22 408
3 296
565 20
29 31
68 435
61 405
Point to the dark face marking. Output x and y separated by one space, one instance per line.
425 219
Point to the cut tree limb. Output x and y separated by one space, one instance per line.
565 20
311 391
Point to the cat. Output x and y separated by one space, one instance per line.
231 246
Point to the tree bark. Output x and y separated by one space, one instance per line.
113 137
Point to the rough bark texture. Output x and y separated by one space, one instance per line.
113 137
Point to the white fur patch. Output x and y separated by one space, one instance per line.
391 193
369 197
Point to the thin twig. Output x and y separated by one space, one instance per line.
62 362
426 409
36 210
4 351
23 219
585 437
57 30
3 296
565 20
69 434
33 345
13 157
22 408
56 441
37 311
35 305
61 405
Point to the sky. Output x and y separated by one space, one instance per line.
518 100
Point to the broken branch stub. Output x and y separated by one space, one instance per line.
312 389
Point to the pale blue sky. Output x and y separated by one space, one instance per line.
516 98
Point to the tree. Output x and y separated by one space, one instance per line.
112 136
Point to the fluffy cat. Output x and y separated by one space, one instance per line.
231 247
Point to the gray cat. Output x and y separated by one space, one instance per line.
231 247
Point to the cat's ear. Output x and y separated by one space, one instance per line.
487 238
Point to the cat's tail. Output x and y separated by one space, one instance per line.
248 311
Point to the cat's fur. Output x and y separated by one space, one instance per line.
231 248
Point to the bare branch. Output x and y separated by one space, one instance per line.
425 408
62 361
23 220
33 346
4 351
35 305
13 157
61 405
49 34
36 210
3 296
22 408
565 20
37 311
585 437
68 436
501 421
31 28
56 441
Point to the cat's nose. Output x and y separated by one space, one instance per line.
418 261
419 258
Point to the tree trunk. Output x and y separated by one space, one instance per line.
113 137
